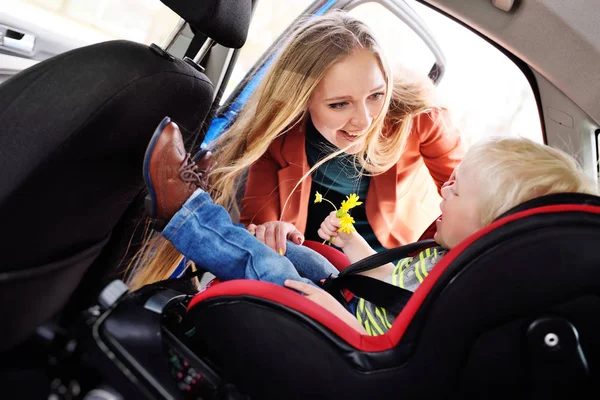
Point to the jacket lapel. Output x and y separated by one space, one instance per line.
381 202
294 153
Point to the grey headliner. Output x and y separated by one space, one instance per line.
558 38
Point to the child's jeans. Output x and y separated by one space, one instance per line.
203 232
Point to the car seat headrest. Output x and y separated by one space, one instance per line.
224 21
552 200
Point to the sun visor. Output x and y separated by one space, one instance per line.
224 21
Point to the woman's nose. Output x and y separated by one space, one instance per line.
361 119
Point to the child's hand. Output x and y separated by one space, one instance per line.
315 294
329 231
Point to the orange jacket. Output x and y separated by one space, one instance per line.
401 202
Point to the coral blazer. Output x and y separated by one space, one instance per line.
401 202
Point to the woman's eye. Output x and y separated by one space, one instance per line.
377 96
338 105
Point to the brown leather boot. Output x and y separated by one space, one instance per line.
169 172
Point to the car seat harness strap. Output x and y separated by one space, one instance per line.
382 294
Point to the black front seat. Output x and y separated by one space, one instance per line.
96 108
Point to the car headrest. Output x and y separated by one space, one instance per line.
552 200
224 21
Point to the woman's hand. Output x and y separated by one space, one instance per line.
326 301
275 233
329 231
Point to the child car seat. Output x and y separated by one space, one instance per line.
511 312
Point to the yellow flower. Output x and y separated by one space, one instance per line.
346 221
318 197
350 202
346 226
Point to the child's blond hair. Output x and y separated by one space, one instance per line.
510 171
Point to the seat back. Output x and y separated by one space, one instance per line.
74 132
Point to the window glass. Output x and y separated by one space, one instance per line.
486 92
81 22
401 44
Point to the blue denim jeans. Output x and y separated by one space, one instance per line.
203 232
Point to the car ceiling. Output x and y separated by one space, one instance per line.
548 35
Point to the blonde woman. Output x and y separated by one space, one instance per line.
323 100
391 170
316 122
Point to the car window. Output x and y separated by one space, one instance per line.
486 91
401 44
60 25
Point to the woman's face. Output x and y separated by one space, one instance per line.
348 98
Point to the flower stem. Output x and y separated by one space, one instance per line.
324 199
336 209
330 241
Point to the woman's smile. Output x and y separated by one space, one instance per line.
349 136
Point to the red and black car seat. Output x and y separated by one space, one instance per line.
511 312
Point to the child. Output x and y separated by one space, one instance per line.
494 176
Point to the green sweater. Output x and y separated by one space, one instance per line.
335 179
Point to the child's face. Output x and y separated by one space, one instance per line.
460 209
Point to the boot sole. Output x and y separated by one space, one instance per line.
150 201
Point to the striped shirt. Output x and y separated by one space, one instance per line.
407 274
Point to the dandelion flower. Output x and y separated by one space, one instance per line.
318 197
346 221
350 202
346 224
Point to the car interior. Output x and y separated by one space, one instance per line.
474 328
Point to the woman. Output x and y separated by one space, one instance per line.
401 200
332 76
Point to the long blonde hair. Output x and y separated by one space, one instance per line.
277 105
510 171
412 95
